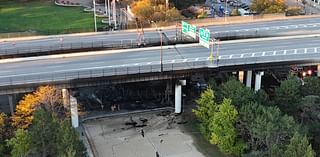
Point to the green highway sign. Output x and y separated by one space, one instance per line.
190 30
204 37
185 26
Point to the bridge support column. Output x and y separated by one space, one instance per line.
257 84
241 76
10 98
70 102
65 98
178 95
249 78
74 112
318 66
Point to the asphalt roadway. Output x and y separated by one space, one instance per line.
278 27
47 68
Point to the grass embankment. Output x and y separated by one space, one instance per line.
43 17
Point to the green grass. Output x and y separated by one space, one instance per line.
43 17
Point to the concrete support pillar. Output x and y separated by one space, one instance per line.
10 98
65 98
249 78
177 99
70 102
178 96
74 112
257 84
318 66
240 76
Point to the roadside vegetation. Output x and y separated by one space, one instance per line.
40 127
241 122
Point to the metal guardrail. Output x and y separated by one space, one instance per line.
77 45
122 44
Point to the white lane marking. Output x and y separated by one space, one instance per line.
295 51
55 66
274 52
241 56
263 53
230 56
305 50
315 50
253 54
284 52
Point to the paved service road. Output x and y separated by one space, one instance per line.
112 138
279 27
132 60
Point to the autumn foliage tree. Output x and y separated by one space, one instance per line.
47 97
268 6
152 10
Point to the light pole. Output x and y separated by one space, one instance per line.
161 52
94 15
109 15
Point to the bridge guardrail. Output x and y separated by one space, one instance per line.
44 77
120 44
298 54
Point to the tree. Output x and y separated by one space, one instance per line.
20 144
205 110
299 147
47 97
261 97
2 131
223 132
237 92
311 86
288 96
149 10
23 116
69 144
43 132
268 6
6 132
266 127
52 137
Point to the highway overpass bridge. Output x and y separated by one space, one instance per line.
133 65
180 62
81 43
